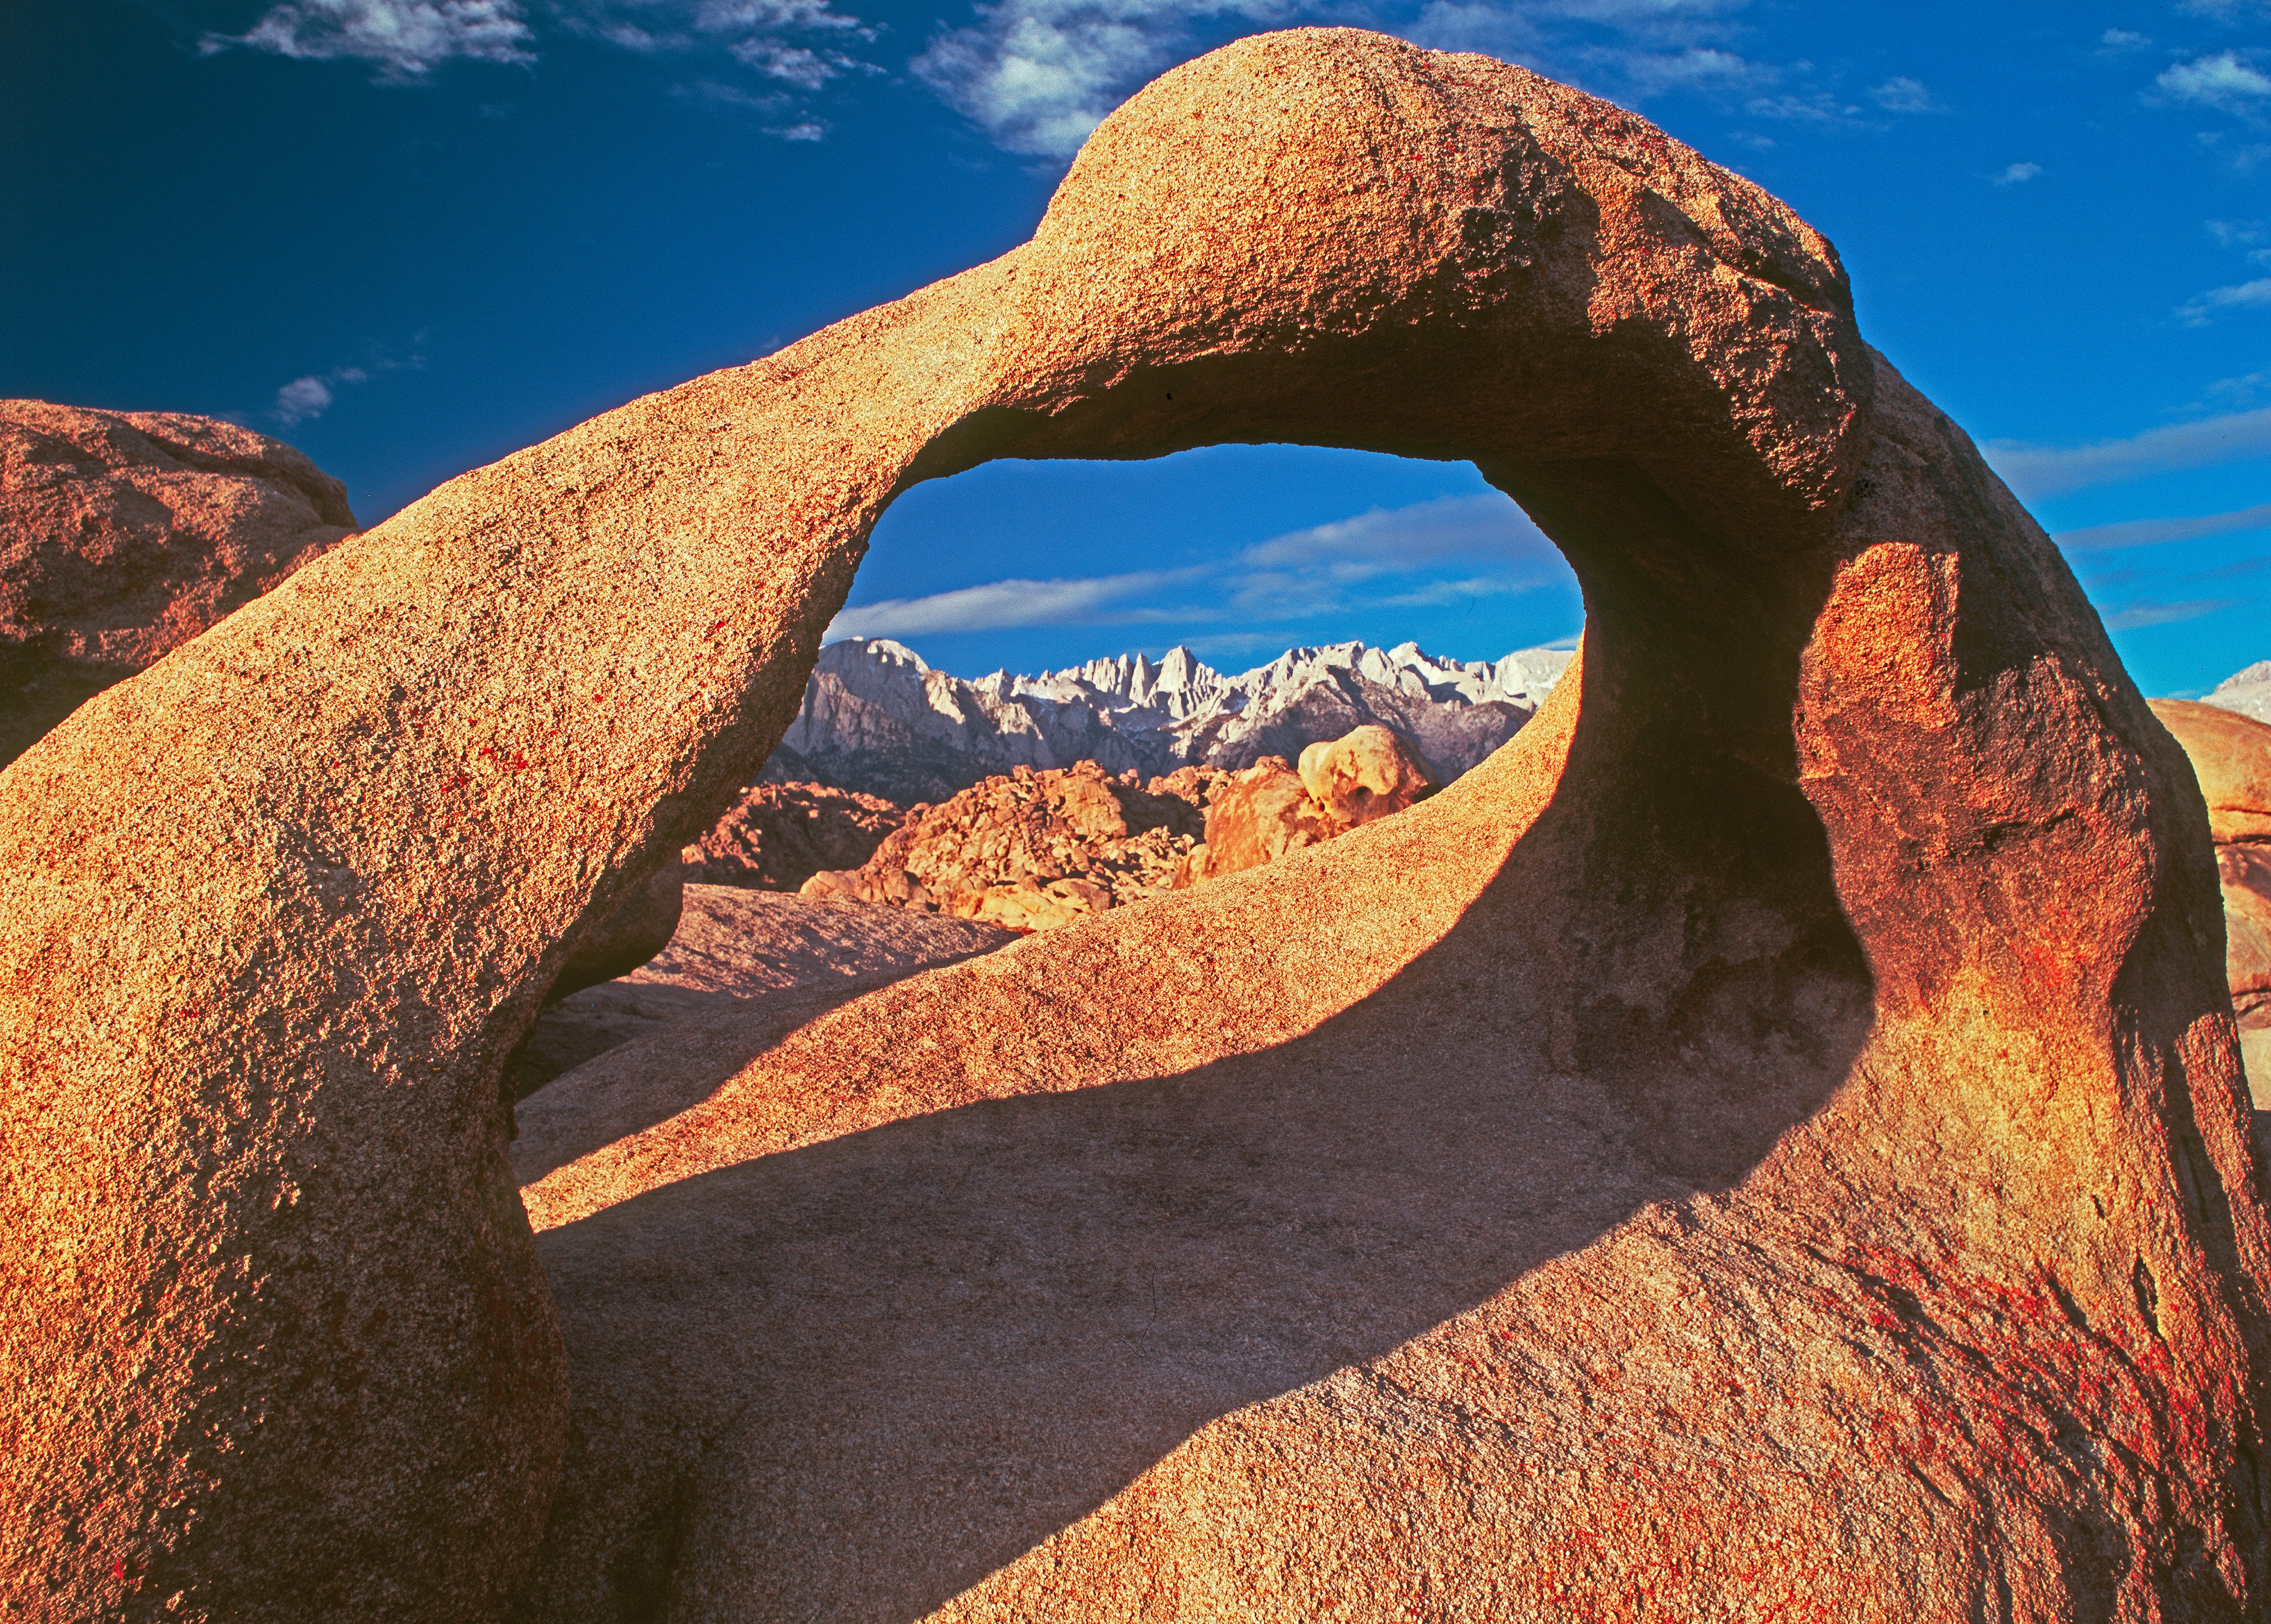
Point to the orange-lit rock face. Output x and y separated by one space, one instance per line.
1771 1139
2232 754
125 533
1364 774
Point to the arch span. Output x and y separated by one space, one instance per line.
1894 943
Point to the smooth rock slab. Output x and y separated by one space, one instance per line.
733 947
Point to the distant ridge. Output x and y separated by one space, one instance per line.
876 718
2247 692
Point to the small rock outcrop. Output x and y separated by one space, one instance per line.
123 534
779 835
1035 851
1259 815
2231 753
1255 817
1364 774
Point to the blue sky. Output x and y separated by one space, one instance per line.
412 235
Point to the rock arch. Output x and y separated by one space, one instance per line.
1892 943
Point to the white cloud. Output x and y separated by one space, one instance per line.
2234 233
792 43
1479 26
2247 295
1005 603
1699 67
2017 173
1818 106
1039 75
2035 471
1485 527
2123 40
1437 593
2238 392
302 398
1904 94
405 38
734 96
2223 81
1303 574
2148 613
2153 532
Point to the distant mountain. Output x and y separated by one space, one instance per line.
877 719
2247 692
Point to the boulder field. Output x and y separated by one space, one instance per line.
1768 1143
1035 851
778 835
1041 850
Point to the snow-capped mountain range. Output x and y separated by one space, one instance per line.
875 717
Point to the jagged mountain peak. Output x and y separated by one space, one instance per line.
878 719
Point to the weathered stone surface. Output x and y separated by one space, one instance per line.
1367 773
125 533
1258 816
1772 1137
626 938
734 948
781 835
2231 753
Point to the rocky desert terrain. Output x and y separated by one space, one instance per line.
532 1090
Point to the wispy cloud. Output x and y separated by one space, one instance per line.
2132 616
2152 532
305 399
768 105
999 604
2017 173
1039 75
2240 391
1904 94
1699 67
1488 526
1327 570
793 47
799 43
2245 296
2034 471
405 38
2226 81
